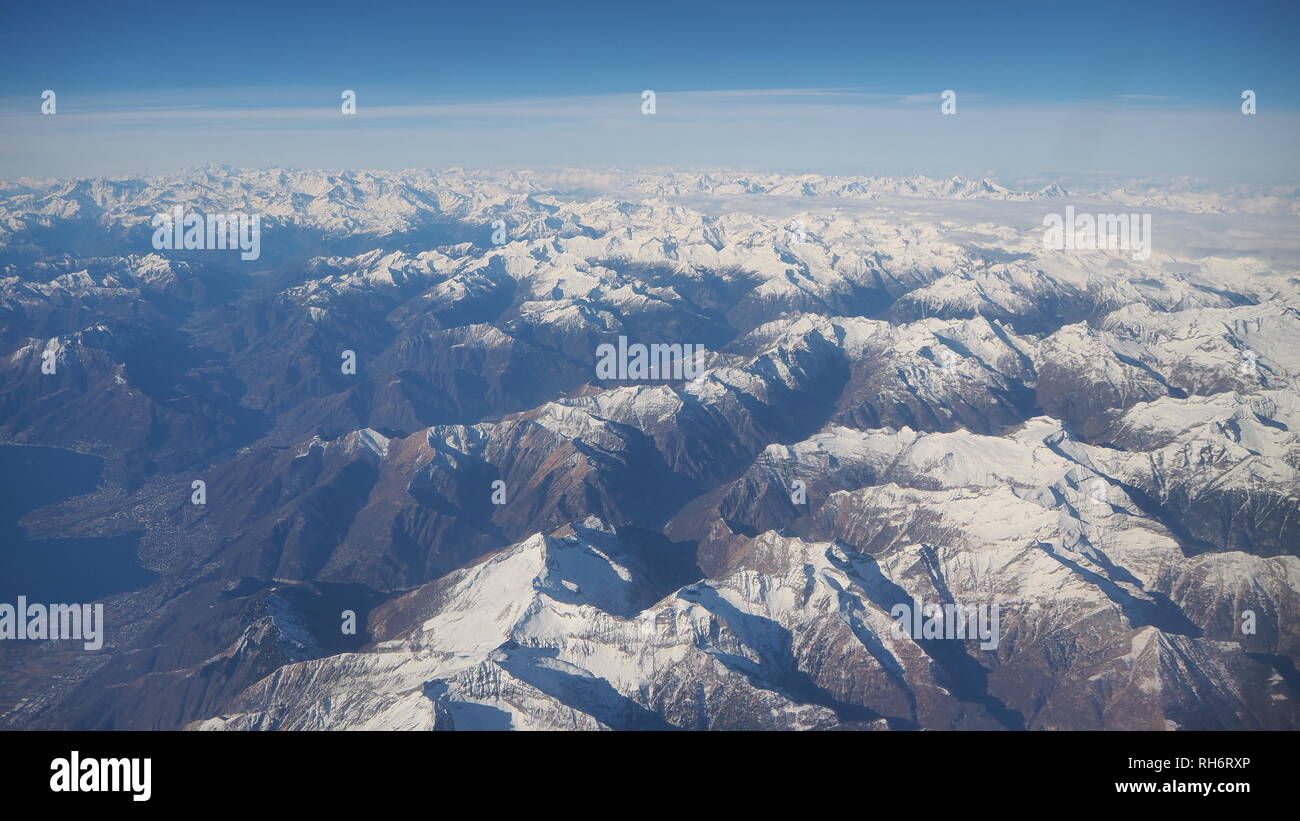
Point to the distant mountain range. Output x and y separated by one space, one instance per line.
896 407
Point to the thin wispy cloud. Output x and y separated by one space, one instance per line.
830 130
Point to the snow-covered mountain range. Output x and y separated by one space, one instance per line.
906 398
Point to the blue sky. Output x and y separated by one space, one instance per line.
1044 89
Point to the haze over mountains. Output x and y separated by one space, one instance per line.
905 395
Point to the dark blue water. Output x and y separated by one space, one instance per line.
58 570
